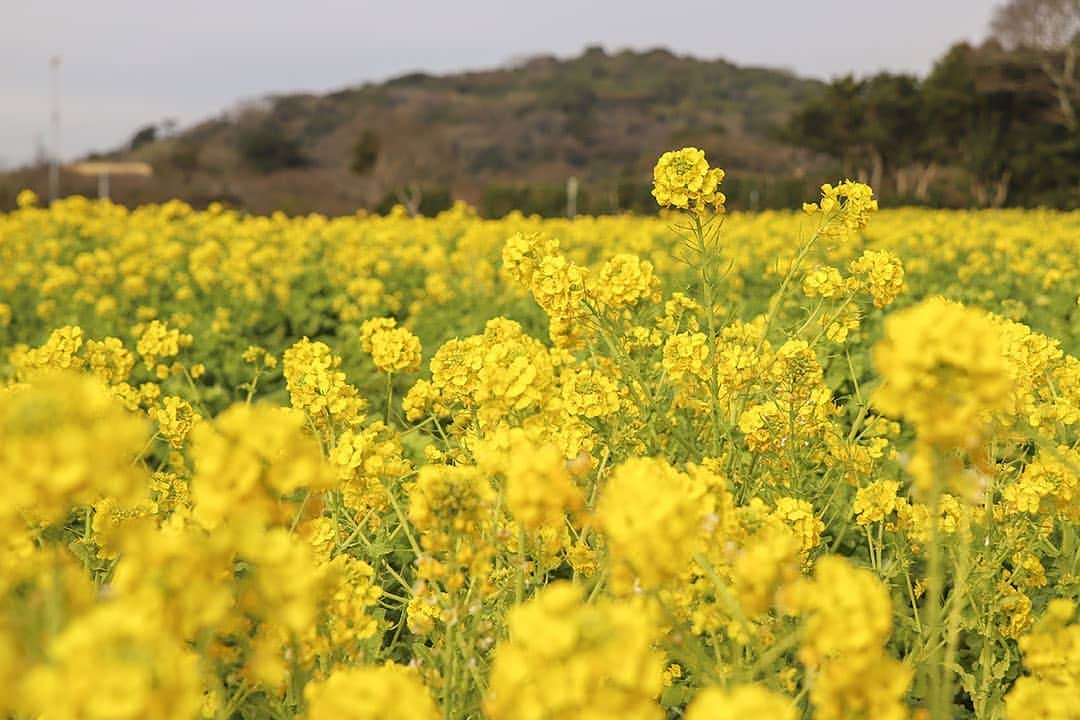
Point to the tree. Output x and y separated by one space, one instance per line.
894 123
144 136
184 157
1051 29
991 114
265 146
878 121
986 113
365 153
831 123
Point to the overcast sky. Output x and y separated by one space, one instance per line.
126 63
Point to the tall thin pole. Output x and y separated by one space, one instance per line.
54 155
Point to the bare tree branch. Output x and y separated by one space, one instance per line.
1052 29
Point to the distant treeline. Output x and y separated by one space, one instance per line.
629 195
987 127
990 125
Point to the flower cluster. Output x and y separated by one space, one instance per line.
651 514
944 371
318 388
66 442
743 701
881 273
1052 658
567 659
683 179
394 349
849 622
844 208
389 692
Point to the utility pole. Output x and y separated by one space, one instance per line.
54 155
571 197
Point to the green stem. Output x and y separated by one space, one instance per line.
832 318
252 385
706 260
389 395
402 520
934 667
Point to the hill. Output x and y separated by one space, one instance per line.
499 139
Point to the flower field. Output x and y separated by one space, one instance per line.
810 464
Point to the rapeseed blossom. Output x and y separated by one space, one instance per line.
387 692
392 348
567 659
683 179
643 471
943 370
843 208
743 701
651 517
849 622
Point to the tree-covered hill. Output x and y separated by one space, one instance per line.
498 138
990 125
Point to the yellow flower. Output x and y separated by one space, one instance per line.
1051 654
683 179
590 393
651 515
849 623
159 342
686 354
388 692
800 517
393 349
844 208
522 253
115 662
496 374
739 703
447 502
824 282
876 501
626 279
365 458
60 352
881 274
317 387
763 564
66 441
761 424
1049 482
539 489
26 199
175 418
566 659
942 369
250 457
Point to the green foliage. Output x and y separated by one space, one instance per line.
994 115
264 145
184 157
365 153
433 200
143 136
500 199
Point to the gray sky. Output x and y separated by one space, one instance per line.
126 63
